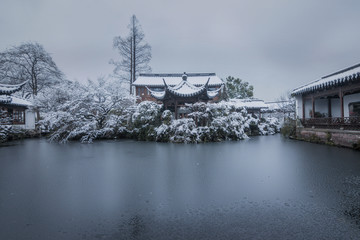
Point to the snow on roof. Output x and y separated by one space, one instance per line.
14 101
8 89
249 103
20 102
213 93
333 79
5 99
157 95
186 89
277 104
173 79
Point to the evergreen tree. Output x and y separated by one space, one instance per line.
236 88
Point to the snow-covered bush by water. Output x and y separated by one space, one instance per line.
148 121
210 122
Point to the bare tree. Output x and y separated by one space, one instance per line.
286 105
29 62
135 53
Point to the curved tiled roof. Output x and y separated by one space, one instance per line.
173 79
338 78
184 89
9 89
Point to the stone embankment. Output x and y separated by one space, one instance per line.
335 137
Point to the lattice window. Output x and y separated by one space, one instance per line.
354 109
18 116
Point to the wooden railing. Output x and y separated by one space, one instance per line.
346 123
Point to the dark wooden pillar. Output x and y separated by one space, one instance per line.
176 110
303 108
341 95
313 106
329 107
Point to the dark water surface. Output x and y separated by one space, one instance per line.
261 188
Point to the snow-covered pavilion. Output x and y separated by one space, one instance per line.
15 111
175 90
332 101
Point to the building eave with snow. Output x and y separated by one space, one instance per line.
332 101
15 111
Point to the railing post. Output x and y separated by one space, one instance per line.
341 95
313 107
303 108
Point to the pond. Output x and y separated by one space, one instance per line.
261 188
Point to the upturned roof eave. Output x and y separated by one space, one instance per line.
7 89
173 85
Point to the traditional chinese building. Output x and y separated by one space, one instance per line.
331 102
175 90
253 106
15 111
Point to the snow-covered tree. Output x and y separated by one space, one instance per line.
52 99
29 62
85 112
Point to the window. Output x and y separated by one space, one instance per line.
354 109
18 116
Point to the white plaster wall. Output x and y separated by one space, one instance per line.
335 107
29 119
321 106
308 107
298 107
349 99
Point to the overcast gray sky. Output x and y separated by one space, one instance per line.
276 45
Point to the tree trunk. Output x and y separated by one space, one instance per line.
131 65
134 48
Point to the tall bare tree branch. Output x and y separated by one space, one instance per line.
135 54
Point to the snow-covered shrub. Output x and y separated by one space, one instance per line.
184 130
91 115
166 117
206 123
269 126
145 119
179 131
233 128
5 131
